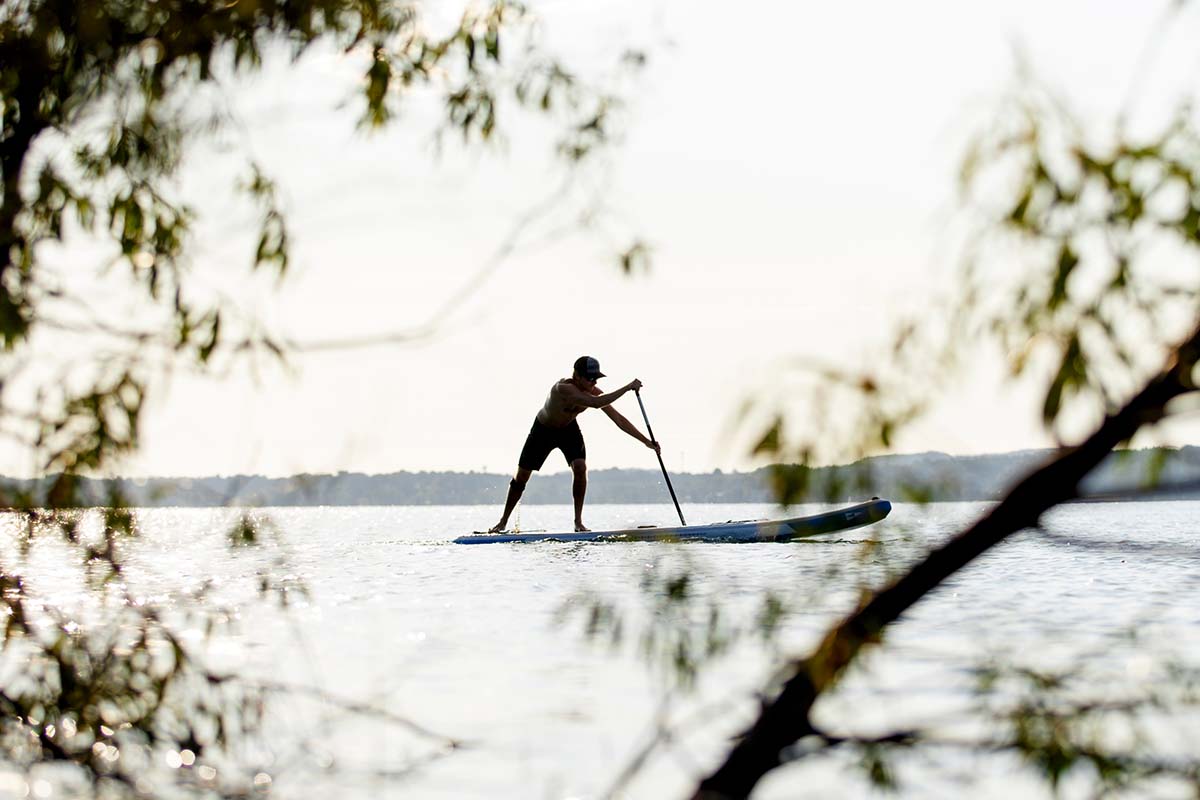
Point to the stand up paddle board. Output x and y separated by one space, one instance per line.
761 530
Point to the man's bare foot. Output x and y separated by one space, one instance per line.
498 527
581 528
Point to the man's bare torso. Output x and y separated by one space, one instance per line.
559 410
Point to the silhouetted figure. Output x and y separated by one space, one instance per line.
555 426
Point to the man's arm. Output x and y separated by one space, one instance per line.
579 397
629 427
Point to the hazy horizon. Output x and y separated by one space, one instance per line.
799 199
561 471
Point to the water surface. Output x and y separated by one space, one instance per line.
464 640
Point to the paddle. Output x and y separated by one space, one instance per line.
650 430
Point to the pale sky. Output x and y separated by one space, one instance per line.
792 165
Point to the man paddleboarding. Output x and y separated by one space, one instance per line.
555 427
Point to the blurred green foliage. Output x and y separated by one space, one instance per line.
1082 268
100 102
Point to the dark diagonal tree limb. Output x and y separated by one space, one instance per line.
786 719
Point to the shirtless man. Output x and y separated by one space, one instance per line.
555 427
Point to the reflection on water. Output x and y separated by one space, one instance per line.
381 607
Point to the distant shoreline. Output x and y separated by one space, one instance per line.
923 477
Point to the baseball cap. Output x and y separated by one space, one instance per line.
588 367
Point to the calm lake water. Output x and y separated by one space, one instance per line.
465 640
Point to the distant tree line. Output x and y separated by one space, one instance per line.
925 476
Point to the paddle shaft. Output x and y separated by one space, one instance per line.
658 453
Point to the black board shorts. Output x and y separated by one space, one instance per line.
542 439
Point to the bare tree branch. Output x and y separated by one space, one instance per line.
464 292
787 717
361 709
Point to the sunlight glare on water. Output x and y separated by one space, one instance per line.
381 608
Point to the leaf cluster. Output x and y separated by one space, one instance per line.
101 103
108 688
1085 266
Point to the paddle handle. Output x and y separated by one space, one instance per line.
670 488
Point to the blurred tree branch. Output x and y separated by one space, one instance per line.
787 717
1084 269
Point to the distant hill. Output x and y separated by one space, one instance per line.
930 476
